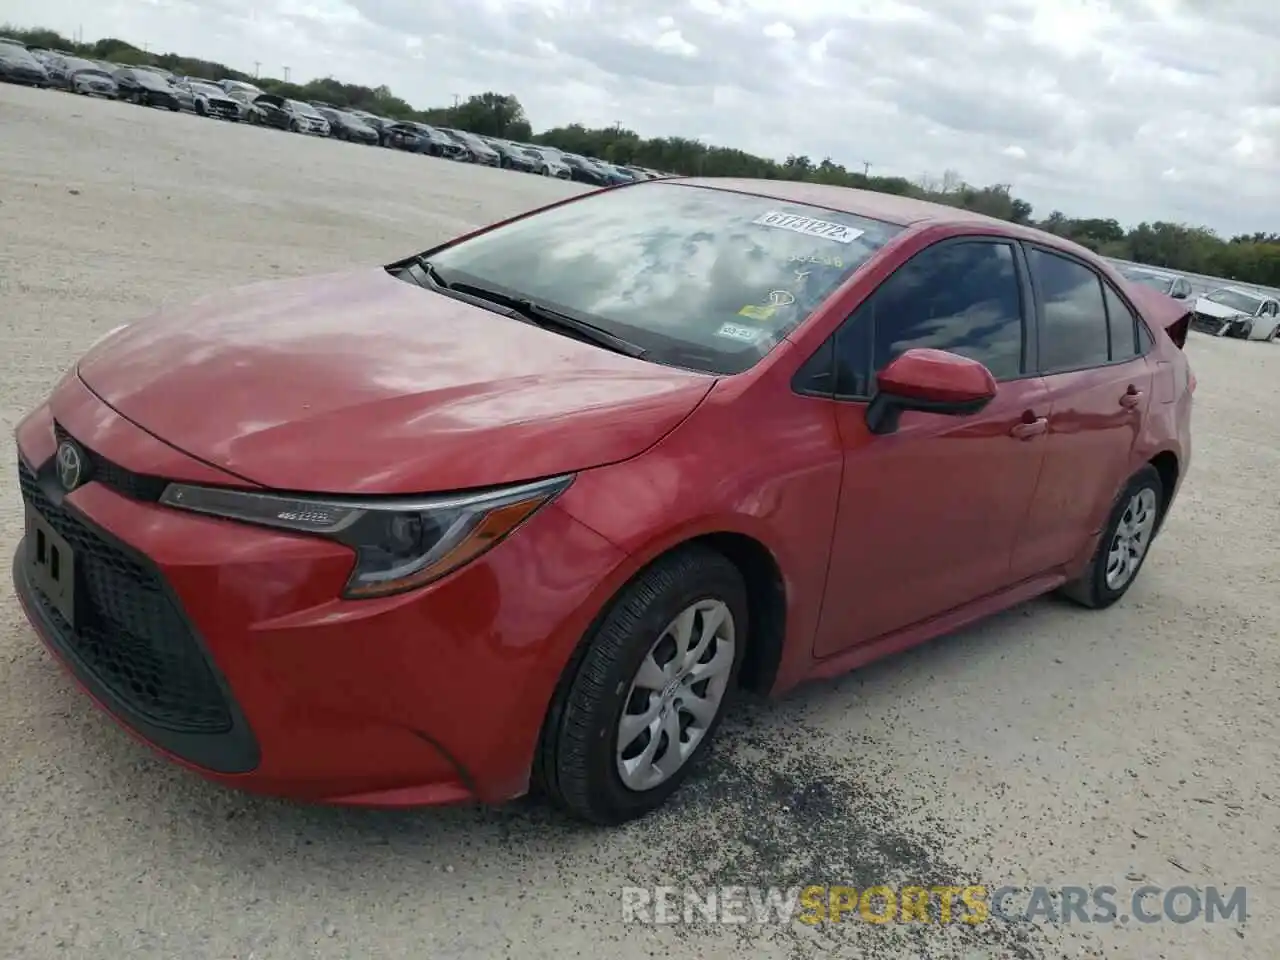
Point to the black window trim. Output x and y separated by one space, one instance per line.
1041 369
1134 316
1026 306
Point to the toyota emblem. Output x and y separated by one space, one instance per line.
71 465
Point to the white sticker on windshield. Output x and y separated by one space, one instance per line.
823 229
736 331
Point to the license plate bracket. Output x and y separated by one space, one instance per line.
51 563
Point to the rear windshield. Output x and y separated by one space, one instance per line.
701 278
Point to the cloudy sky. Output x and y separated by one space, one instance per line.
1137 109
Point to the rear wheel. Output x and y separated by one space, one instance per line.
641 701
1124 545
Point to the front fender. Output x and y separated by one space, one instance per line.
762 464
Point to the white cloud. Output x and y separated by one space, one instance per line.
1138 109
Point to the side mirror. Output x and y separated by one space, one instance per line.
929 381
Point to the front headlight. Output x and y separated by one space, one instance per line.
399 544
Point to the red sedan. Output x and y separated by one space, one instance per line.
521 512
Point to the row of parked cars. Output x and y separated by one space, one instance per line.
239 101
1226 311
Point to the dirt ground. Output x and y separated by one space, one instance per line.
1049 746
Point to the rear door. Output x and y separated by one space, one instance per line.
1099 386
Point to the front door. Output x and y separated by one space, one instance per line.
929 515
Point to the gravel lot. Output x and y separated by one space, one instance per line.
1049 746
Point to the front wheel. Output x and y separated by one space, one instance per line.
1124 544
295 127
641 700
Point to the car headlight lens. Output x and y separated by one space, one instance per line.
399 544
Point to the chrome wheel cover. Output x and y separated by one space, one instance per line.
1132 538
676 695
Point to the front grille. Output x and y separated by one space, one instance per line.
1205 323
135 486
129 635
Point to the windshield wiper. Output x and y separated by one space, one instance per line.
537 313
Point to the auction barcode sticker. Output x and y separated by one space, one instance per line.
808 226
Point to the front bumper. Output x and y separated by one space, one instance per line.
1221 326
223 109
226 646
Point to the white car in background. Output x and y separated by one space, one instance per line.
550 162
210 100
243 93
1237 312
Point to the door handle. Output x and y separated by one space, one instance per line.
1132 397
1030 428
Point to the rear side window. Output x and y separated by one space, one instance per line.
1122 326
1073 332
963 297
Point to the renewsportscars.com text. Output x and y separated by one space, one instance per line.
970 905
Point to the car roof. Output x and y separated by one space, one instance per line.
885 207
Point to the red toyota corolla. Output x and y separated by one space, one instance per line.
523 510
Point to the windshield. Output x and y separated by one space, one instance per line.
699 278
303 108
16 54
208 89
1236 300
95 72
1162 284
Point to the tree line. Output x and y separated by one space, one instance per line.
1176 246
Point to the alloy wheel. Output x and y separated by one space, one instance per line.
1131 538
676 695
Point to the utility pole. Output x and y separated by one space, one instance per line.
286 74
257 69
866 167
456 98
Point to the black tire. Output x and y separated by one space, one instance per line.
1091 589
200 108
575 765
295 127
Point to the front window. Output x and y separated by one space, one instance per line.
303 109
1236 300
699 278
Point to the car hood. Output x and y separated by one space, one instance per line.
362 383
1211 309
